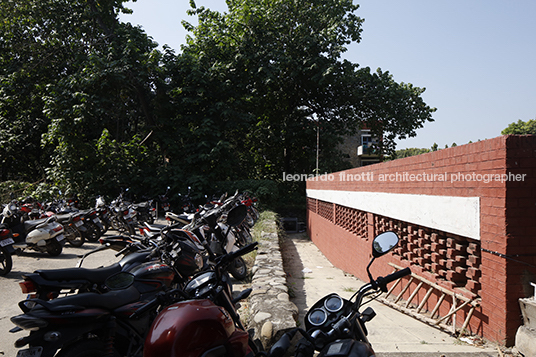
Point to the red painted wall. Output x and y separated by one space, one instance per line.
497 268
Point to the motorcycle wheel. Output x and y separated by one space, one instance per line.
85 348
116 224
92 234
238 269
250 221
106 225
74 237
244 237
6 262
54 248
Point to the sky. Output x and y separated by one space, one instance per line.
476 58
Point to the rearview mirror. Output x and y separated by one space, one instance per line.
383 243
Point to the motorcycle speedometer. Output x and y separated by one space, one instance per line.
317 317
333 303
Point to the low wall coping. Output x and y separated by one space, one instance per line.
271 313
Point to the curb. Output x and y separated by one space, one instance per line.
270 311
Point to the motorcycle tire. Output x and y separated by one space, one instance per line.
106 225
244 237
6 262
74 237
54 248
250 222
92 233
238 269
85 348
116 224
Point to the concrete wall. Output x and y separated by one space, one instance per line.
466 215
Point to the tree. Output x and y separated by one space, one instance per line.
399 154
284 57
521 128
89 100
73 78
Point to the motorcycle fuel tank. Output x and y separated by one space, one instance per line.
193 327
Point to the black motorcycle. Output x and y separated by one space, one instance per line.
335 326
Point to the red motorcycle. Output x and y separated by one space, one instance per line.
206 324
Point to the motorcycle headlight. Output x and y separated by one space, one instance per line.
199 260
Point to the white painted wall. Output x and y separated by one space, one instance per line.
457 215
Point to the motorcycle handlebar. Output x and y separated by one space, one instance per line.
243 251
233 255
382 282
397 275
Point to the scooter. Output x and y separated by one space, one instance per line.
334 326
42 235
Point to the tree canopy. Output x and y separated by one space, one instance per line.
521 128
88 102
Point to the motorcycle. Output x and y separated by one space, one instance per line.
74 229
253 213
109 324
6 250
42 235
93 324
335 326
215 226
145 212
177 248
103 212
206 323
164 202
123 216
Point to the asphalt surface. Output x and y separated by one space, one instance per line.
311 276
27 262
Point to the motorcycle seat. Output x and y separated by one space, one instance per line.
155 227
93 275
64 217
29 225
109 301
184 218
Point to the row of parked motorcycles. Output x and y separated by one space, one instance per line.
47 227
171 294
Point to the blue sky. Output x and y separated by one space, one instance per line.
476 58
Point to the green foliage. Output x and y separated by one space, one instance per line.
267 191
284 59
88 103
521 128
19 190
399 154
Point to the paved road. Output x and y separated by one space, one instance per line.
391 333
29 261
407 337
